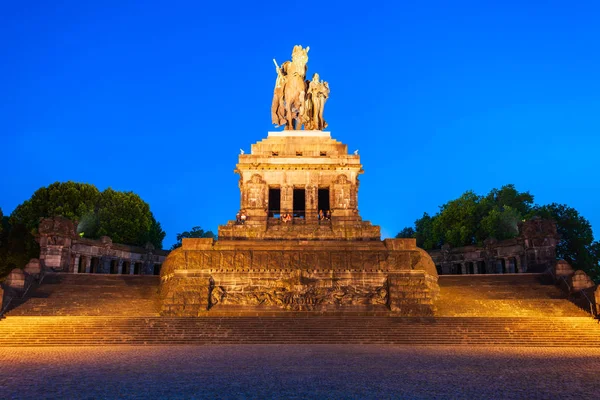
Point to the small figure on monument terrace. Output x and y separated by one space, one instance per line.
320 256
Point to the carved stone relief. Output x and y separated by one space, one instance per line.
297 293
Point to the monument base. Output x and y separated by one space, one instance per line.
264 277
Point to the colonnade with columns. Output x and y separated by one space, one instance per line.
498 265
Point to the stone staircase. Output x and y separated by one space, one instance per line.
505 295
489 310
479 331
90 294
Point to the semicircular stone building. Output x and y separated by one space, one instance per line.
298 243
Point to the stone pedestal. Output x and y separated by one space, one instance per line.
307 265
252 277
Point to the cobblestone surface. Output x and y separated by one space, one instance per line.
295 371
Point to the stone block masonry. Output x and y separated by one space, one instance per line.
322 259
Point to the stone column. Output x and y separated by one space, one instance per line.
311 205
519 266
499 269
88 264
287 198
120 266
76 264
463 268
510 266
131 267
524 262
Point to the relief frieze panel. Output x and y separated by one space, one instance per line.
298 291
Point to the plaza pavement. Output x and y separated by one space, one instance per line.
298 372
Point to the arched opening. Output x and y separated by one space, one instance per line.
510 266
471 268
482 267
439 269
274 202
299 203
137 269
458 269
126 266
94 266
157 269
114 266
500 266
81 266
323 200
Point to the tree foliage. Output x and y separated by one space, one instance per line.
407 232
17 246
155 235
69 199
576 244
471 219
196 232
123 216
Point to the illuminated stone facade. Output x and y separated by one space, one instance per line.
61 249
534 250
308 263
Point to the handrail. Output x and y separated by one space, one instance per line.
561 279
592 308
566 283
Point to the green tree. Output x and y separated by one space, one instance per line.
17 246
424 233
196 232
155 235
123 216
407 232
471 218
69 199
458 220
500 224
508 196
576 244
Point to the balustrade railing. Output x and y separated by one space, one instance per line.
276 217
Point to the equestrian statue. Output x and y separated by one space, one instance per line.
298 102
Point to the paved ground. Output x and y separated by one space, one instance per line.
296 371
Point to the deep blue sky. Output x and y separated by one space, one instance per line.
439 97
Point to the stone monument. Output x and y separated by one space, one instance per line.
298 242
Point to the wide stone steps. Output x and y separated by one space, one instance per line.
92 331
505 295
90 294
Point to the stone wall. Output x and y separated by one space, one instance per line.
249 276
61 249
310 162
534 250
301 263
